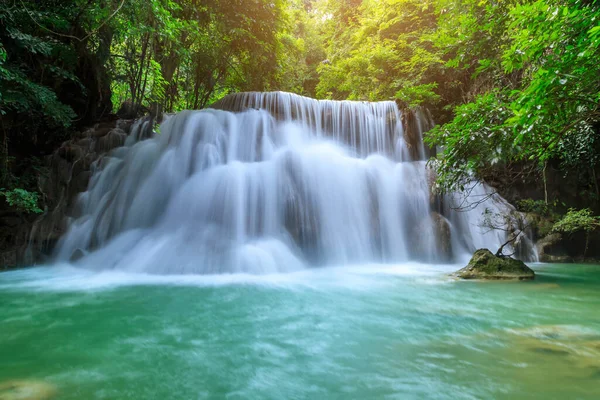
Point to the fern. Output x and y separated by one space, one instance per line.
22 200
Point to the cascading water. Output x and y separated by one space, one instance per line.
271 182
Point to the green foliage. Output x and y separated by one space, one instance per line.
474 141
577 220
22 91
383 52
175 54
536 87
534 206
302 47
519 78
417 95
554 45
59 60
22 200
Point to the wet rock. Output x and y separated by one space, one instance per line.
61 171
70 152
113 139
67 173
550 351
26 390
430 238
559 332
485 265
8 259
100 132
83 164
125 125
435 200
10 221
550 250
77 255
443 236
80 182
86 144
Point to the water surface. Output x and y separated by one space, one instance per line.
380 332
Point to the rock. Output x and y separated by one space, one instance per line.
11 221
78 254
485 265
67 174
550 350
435 200
70 152
114 138
80 182
86 143
125 125
8 260
431 238
550 250
26 390
443 236
99 132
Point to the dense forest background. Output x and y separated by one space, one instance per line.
514 85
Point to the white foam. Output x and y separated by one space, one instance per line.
66 277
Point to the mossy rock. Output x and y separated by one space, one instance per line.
485 265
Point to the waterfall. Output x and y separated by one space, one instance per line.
271 182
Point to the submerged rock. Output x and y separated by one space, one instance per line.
577 347
485 265
26 390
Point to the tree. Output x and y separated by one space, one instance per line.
576 221
539 105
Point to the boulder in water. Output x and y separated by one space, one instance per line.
485 265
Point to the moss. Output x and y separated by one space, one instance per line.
485 265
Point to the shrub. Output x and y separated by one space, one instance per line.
533 206
22 200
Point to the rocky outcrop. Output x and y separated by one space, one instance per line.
550 249
485 265
69 168
443 236
433 231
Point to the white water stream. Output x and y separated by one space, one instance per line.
278 183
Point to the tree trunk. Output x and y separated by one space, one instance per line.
545 183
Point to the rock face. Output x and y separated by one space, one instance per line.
24 241
485 265
550 250
443 235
